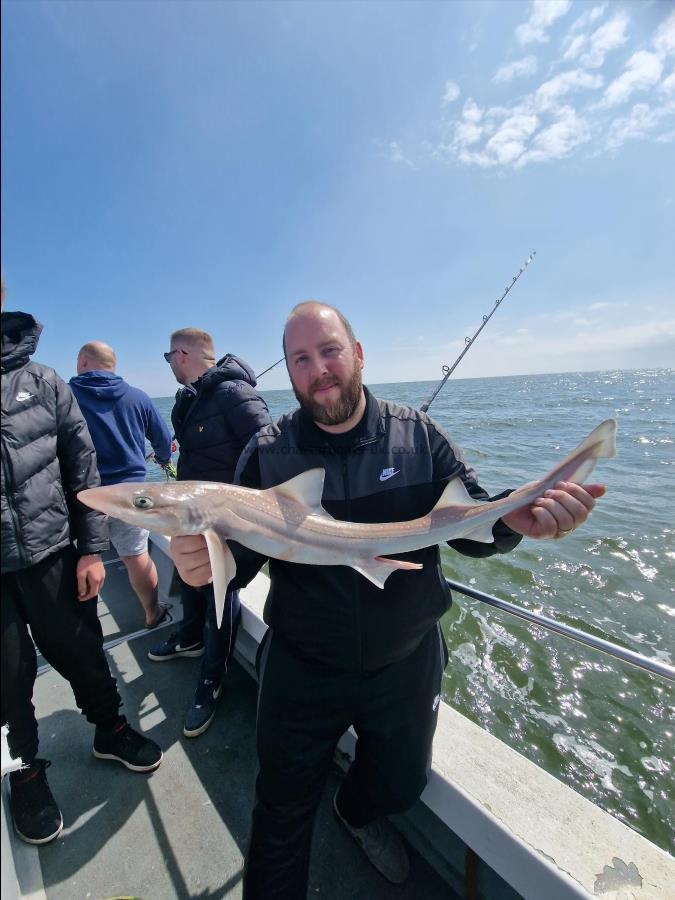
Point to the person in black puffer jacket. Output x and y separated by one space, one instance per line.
215 414
51 574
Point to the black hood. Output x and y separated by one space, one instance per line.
20 336
230 368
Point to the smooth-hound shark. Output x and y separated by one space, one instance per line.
288 521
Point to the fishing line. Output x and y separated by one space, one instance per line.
448 370
271 367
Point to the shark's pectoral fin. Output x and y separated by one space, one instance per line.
223 568
380 568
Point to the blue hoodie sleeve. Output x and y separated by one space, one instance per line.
158 434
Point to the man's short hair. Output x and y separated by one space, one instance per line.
196 338
317 303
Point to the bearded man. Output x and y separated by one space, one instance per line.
340 651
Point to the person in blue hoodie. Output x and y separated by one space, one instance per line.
216 412
120 417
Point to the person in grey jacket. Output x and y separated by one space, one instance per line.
51 574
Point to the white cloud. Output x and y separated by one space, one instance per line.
568 110
543 15
396 154
550 92
664 39
518 68
667 86
640 121
643 70
559 139
510 140
587 18
591 50
452 92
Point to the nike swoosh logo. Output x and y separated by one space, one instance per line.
386 475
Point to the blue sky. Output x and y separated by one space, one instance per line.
209 164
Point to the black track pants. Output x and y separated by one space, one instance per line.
67 633
303 709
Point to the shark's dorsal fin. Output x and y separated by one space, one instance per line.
455 494
306 488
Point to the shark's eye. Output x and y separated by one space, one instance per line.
143 503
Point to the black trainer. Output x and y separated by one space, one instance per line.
382 844
37 817
127 746
172 648
203 709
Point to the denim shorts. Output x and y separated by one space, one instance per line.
128 540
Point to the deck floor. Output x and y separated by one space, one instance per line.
180 832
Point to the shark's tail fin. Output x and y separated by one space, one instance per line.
600 444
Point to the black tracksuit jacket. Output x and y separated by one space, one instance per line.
392 467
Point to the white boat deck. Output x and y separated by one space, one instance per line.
181 832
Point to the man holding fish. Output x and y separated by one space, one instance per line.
353 634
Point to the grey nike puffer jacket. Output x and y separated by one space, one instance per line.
47 457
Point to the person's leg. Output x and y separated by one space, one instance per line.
395 728
219 642
68 634
188 639
218 649
19 669
35 813
131 543
302 711
143 579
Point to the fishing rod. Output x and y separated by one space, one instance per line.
448 370
654 666
270 367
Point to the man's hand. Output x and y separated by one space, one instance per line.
191 556
90 574
557 512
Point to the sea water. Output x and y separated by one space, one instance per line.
601 726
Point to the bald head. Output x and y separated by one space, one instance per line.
96 357
315 309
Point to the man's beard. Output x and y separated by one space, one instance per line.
334 413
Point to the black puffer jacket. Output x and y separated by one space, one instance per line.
214 418
47 457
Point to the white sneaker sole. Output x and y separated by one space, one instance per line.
202 728
128 764
52 837
190 654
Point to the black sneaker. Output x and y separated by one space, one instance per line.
37 817
203 709
172 648
127 746
383 846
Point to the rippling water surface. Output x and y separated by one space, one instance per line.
601 726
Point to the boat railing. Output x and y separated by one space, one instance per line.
655 666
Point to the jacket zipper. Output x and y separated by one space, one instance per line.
9 493
354 574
